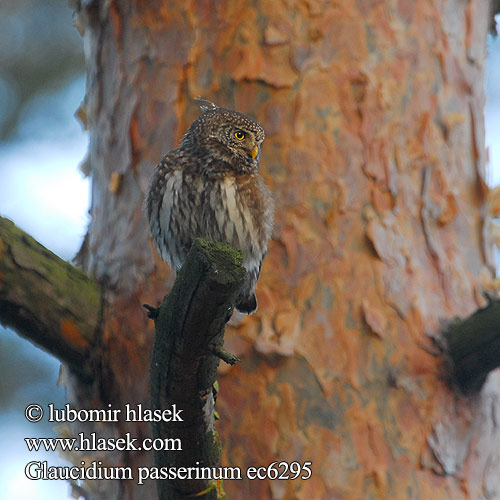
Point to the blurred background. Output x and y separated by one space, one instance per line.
42 82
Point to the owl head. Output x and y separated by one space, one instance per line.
227 135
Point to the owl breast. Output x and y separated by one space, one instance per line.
230 209
235 221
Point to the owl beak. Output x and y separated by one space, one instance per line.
254 152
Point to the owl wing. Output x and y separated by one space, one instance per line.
163 194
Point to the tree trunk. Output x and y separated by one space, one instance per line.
373 112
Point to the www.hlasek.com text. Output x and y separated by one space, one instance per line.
92 442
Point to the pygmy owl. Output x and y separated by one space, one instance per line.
210 187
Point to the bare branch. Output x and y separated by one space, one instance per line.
473 347
495 9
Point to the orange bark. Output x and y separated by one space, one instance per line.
375 153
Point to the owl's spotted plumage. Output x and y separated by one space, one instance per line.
210 187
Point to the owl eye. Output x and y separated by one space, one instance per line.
239 135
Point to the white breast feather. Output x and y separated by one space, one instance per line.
229 196
172 188
239 225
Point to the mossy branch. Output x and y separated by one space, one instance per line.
473 347
187 349
47 300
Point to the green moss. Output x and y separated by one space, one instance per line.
45 284
222 260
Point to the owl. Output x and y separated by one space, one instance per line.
210 187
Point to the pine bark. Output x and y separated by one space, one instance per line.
373 112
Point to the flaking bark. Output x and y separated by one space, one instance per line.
187 349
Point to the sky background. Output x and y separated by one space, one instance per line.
42 83
42 190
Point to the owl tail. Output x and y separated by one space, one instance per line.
248 304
